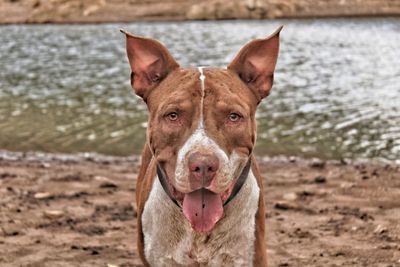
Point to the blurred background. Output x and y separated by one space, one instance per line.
64 78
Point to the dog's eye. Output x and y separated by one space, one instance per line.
234 117
172 116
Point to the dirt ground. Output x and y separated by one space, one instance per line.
61 210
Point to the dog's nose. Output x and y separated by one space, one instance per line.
203 168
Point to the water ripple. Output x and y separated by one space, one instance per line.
66 88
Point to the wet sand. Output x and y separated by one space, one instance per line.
79 210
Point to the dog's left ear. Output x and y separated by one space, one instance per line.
255 64
150 63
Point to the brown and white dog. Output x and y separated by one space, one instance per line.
199 192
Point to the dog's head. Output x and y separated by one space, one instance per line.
202 126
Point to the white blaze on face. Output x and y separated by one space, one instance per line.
202 80
199 141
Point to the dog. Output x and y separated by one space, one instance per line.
199 192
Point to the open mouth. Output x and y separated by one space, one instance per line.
202 207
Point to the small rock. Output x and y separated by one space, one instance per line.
7 175
385 247
339 253
43 195
365 177
307 194
71 177
320 180
10 230
101 178
53 214
106 182
45 165
92 230
108 185
290 196
285 206
380 229
347 185
317 163
363 171
292 159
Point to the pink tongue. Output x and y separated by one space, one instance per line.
203 209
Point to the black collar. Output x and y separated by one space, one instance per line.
163 178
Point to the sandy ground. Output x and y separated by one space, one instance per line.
60 210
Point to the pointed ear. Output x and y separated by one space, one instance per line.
255 64
150 63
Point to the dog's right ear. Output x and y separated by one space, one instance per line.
150 63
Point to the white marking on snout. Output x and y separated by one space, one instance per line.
200 141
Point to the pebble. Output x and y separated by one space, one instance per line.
106 182
53 214
108 185
45 165
43 195
101 178
380 229
290 196
317 163
307 193
347 185
10 230
285 206
320 180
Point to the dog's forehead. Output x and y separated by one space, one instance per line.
225 83
184 85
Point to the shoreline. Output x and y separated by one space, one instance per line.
109 11
97 157
339 17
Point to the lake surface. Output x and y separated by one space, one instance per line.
65 88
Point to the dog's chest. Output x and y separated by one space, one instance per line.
170 241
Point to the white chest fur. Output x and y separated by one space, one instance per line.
170 241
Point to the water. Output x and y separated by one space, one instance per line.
65 88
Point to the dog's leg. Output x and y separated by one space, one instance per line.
141 194
260 256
